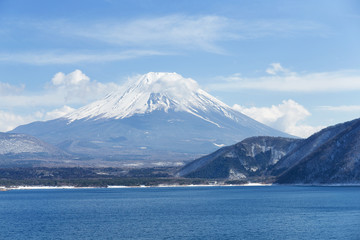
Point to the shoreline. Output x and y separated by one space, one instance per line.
141 186
2 188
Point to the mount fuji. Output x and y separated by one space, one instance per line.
161 118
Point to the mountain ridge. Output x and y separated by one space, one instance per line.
336 160
251 157
330 156
158 117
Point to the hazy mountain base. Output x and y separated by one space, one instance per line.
29 160
177 136
21 150
104 177
330 156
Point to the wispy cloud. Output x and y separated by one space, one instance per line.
204 33
168 31
277 28
152 36
276 68
53 57
287 116
343 108
9 89
283 80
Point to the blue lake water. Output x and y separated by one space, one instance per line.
276 212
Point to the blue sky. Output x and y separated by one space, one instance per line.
294 65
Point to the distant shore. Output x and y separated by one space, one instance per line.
175 186
141 186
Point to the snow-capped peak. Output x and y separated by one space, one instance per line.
150 92
172 85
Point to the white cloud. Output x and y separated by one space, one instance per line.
59 112
9 121
45 98
283 80
76 87
62 91
287 116
276 68
173 84
74 78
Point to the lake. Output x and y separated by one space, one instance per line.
269 212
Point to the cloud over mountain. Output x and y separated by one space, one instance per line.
287 116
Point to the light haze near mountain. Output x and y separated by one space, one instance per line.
160 119
293 65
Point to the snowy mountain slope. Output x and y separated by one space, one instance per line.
19 143
160 116
156 91
11 143
331 156
19 148
248 158
334 157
